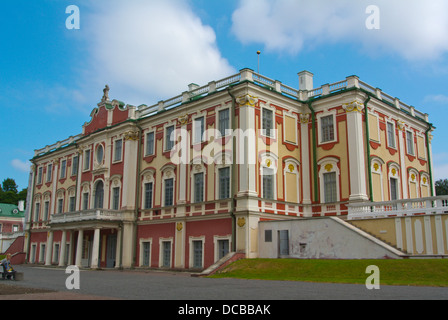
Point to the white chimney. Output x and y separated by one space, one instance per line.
21 205
306 80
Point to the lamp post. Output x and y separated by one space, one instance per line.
258 53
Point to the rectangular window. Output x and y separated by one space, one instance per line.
150 143
118 150
199 187
330 194
71 204
146 253
169 192
268 184
85 201
87 160
148 195
46 210
75 164
327 128
223 248
39 175
63 169
224 183
36 212
49 172
197 254
116 198
166 257
60 205
410 142
169 141
390 135
224 121
267 122
267 235
198 129
393 189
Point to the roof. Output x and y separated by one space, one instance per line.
10 210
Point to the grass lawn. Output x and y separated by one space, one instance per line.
415 272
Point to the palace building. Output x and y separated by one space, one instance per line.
182 183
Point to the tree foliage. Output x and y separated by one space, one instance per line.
442 187
9 192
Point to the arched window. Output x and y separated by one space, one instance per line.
99 195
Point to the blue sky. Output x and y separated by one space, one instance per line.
52 77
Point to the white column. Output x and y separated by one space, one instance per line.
63 248
118 252
96 249
402 151
78 184
49 248
306 164
355 137
79 248
71 247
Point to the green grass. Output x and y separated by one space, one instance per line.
415 272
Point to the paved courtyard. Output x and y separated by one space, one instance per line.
180 286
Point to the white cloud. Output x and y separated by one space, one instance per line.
20 165
413 29
148 50
437 98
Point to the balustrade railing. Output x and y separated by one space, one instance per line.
398 208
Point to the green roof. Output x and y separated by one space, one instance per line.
10 210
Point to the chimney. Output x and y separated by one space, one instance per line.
306 80
21 205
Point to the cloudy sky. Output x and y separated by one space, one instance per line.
51 77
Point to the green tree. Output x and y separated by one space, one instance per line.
9 185
442 187
9 192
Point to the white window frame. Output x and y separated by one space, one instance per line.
40 175
87 160
195 128
153 143
161 241
197 169
49 172
215 245
73 172
319 125
410 152
273 131
396 176
167 139
141 241
296 164
168 173
268 160
328 165
115 183
227 131
394 146
115 158
63 169
191 257
414 183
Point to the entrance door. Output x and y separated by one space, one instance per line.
283 243
111 250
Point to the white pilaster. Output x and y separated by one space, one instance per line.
79 248
49 249
63 248
96 249
355 137
306 164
